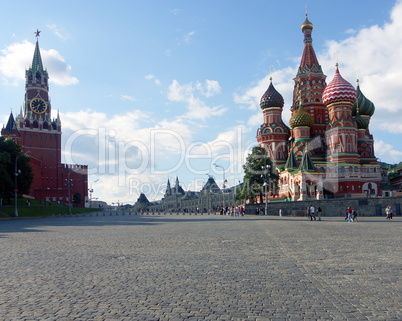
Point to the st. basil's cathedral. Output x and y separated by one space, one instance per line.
328 150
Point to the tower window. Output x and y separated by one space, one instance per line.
38 77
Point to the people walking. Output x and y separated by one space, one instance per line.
312 213
319 211
354 214
389 212
349 212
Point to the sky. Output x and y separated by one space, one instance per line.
148 91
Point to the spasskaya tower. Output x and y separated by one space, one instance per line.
40 137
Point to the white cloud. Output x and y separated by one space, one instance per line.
128 97
18 56
126 152
197 109
152 77
188 36
387 151
57 31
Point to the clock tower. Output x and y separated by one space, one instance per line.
40 137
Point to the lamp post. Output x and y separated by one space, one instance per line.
16 173
224 181
69 184
266 176
91 190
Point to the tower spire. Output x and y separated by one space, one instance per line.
37 59
309 61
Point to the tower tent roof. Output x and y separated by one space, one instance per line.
291 162
37 64
10 123
306 164
309 61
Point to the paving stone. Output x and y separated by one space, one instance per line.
199 268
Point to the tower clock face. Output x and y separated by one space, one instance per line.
38 105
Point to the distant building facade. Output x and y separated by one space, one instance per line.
40 137
210 198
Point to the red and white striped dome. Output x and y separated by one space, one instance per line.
338 90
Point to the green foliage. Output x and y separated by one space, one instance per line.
10 152
253 185
77 198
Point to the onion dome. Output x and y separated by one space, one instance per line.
338 90
365 106
361 122
271 98
306 24
301 118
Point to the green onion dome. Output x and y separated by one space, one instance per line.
271 98
361 122
301 118
366 107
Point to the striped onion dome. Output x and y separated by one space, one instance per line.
271 98
361 122
338 90
366 107
301 118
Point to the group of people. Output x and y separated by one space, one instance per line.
389 212
311 210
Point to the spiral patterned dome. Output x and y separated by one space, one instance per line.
338 90
366 107
301 118
271 98
361 122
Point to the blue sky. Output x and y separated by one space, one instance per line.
151 90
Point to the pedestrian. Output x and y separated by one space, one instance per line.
312 212
349 211
280 212
389 212
354 215
319 210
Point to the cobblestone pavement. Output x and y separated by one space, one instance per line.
200 267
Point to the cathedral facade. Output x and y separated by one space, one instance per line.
40 138
328 151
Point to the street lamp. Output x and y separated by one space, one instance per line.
91 190
69 184
224 181
223 172
265 177
16 173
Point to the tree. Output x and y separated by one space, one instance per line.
254 172
77 198
9 153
